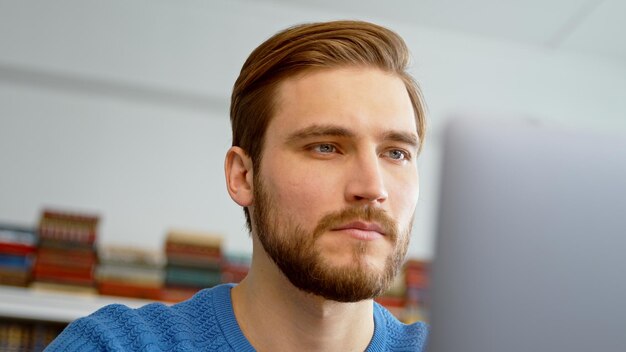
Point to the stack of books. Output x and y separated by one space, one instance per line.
194 262
66 256
235 267
130 272
416 279
407 296
394 299
16 335
17 251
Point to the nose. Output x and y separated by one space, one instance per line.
366 183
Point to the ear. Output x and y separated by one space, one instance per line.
239 176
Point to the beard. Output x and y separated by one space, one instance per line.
295 253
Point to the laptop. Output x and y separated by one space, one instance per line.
531 240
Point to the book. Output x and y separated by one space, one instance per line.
16 248
191 277
137 274
68 226
17 235
130 272
193 239
15 261
15 277
177 294
66 253
235 268
64 275
126 289
123 254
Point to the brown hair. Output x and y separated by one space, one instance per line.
305 47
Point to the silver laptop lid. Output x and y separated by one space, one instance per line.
531 246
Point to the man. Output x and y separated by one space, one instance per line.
327 126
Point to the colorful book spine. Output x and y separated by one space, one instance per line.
66 252
194 261
22 336
130 272
17 253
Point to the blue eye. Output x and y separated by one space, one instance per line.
325 148
397 154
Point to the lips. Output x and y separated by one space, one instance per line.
361 226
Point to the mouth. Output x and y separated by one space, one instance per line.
362 230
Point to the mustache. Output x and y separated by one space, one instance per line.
366 213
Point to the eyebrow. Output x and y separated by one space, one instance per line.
319 131
402 137
336 131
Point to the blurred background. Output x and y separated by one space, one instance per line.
120 108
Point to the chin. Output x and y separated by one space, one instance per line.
372 264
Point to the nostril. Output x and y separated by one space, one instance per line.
370 199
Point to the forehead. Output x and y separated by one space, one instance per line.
365 100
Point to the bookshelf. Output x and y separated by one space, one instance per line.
28 304
57 274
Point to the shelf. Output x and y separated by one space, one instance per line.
24 303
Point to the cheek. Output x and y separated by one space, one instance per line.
404 198
301 196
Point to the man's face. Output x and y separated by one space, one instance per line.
337 187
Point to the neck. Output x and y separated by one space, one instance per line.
276 316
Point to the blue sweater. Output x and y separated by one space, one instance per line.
205 322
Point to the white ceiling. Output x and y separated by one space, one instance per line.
591 27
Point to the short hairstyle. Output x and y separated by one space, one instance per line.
305 47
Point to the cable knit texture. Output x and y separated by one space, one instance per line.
205 322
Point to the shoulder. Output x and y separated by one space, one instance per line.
186 326
108 329
397 336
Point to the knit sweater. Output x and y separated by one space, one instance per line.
206 322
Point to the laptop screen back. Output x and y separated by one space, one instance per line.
531 246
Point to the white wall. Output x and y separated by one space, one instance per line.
121 107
